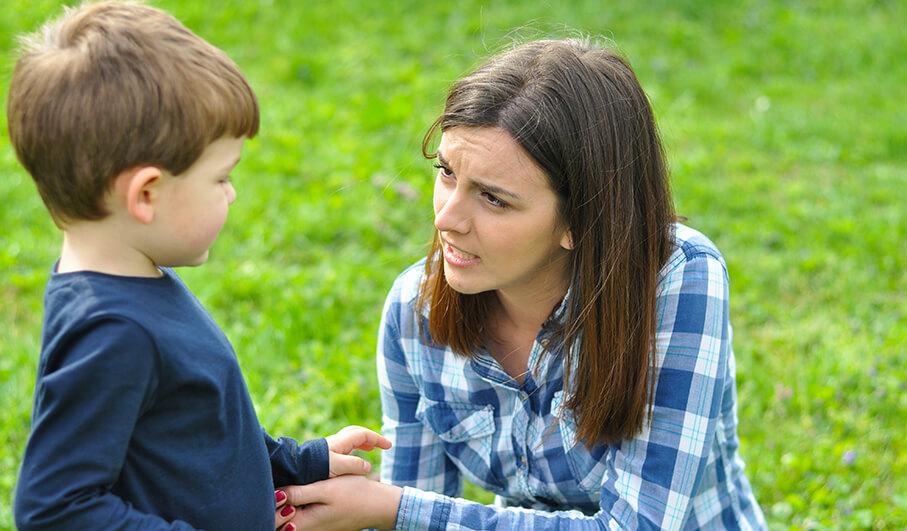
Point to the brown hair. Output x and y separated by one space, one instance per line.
113 85
580 112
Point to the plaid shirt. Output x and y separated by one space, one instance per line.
452 417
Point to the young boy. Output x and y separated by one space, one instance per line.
130 125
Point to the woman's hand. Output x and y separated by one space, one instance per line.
284 512
339 446
344 502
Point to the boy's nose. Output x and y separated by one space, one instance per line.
231 193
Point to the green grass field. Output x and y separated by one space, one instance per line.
785 128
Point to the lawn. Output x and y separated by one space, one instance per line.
786 130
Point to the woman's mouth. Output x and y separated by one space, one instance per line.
458 257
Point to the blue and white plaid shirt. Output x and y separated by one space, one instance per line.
451 417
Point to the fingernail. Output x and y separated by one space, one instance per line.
287 511
280 495
290 527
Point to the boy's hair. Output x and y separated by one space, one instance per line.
113 85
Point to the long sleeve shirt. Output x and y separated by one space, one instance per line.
452 417
142 419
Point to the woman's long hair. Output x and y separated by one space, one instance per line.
580 112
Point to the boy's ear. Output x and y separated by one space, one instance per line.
141 187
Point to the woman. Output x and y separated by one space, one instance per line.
566 343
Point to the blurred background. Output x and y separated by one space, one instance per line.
786 130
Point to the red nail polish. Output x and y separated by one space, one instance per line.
287 511
280 495
290 527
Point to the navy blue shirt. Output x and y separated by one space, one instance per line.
142 419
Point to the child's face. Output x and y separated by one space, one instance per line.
193 206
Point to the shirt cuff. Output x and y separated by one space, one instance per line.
314 461
420 509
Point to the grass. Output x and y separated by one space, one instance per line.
785 127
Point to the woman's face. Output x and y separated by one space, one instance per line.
496 216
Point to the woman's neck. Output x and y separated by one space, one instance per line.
527 309
516 324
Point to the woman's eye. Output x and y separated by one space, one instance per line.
225 180
444 170
494 201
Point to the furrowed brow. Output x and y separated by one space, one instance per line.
490 188
497 190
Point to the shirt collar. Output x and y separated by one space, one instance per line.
558 316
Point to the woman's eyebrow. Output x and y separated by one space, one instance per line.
497 190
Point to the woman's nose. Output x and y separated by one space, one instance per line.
451 212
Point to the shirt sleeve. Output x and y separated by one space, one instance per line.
293 463
417 458
88 398
652 477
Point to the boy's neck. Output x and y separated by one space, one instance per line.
96 246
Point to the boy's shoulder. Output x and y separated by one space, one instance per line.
74 299
94 286
161 315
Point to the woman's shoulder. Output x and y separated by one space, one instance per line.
690 244
405 290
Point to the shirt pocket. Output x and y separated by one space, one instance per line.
467 433
587 466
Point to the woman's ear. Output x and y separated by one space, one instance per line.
141 187
567 241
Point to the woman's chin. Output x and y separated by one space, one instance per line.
462 284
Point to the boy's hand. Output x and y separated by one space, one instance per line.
345 441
